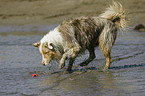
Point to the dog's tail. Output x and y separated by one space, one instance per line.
115 13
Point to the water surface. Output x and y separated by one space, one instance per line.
19 60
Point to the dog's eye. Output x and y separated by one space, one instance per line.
45 52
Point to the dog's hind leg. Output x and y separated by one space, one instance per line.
107 54
108 60
91 57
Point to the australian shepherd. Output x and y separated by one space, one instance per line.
75 36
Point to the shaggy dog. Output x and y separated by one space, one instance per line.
72 37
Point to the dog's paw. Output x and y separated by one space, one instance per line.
105 69
61 66
67 72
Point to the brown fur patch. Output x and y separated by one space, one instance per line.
84 30
48 53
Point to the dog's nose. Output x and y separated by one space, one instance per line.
43 63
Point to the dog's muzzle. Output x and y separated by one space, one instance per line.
43 64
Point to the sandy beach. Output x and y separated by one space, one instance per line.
43 12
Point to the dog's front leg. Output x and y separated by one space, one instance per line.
62 61
70 54
67 54
71 61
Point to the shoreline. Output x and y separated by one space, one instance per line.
39 16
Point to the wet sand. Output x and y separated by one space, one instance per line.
42 12
23 22
19 60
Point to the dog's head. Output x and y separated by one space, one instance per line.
48 52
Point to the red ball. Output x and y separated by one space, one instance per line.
34 75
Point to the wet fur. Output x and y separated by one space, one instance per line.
72 37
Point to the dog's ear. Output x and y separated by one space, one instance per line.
37 44
49 45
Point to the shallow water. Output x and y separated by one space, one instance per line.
19 60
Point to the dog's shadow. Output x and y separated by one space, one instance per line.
110 68
100 68
127 66
86 69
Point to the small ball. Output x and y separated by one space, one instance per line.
34 75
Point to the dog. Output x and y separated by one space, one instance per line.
74 36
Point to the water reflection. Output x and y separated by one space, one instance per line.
92 82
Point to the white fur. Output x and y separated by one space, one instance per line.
113 11
53 37
44 60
